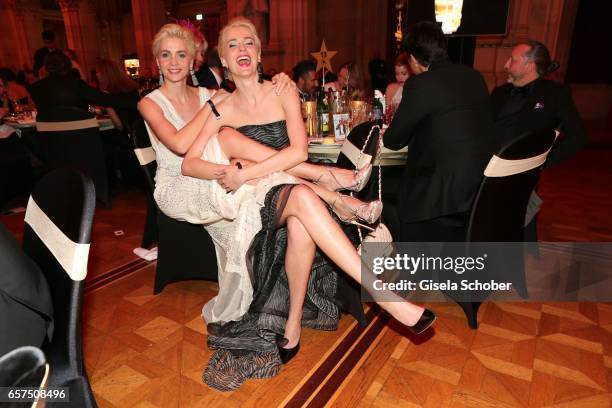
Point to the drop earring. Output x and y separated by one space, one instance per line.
161 76
225 74
194 78
259 72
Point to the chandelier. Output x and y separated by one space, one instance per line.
448 12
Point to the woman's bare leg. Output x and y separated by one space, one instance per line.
298 264
238 146
304 205
235 145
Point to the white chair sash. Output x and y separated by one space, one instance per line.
499 167
71 256
66 126
145 155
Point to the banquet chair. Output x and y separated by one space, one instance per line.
70 137
146 158
185 251
498 211
24 367
57 235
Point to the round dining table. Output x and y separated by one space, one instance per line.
104 123
328 153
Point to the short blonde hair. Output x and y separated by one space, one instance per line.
237 22
174 31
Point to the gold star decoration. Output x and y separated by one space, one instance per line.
324 57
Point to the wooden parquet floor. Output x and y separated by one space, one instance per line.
150 351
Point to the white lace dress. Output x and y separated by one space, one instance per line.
232 219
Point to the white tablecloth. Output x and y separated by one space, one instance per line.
329 153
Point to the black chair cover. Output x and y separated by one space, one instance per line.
23 367
186 251
67 198
498 213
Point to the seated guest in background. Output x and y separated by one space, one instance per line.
210 74
305 78
61 88
16 93
26 308
39 56
528 101
393 93
349 80
114 80
121 163
445 120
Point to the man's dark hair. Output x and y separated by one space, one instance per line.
538 53
212 58
426 43
302 68
48 35
56 62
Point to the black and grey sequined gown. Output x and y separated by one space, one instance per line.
247 348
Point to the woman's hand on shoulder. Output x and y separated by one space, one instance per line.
290 97
283 83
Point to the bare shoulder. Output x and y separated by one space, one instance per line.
218 95
147 105
392 88
225 104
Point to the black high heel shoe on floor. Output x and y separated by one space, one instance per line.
286 354
427 319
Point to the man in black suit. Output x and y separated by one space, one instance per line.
445 120
39 56
210 75
26 307
528 102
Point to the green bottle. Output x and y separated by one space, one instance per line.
323 113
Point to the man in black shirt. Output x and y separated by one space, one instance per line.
528 102
39 56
